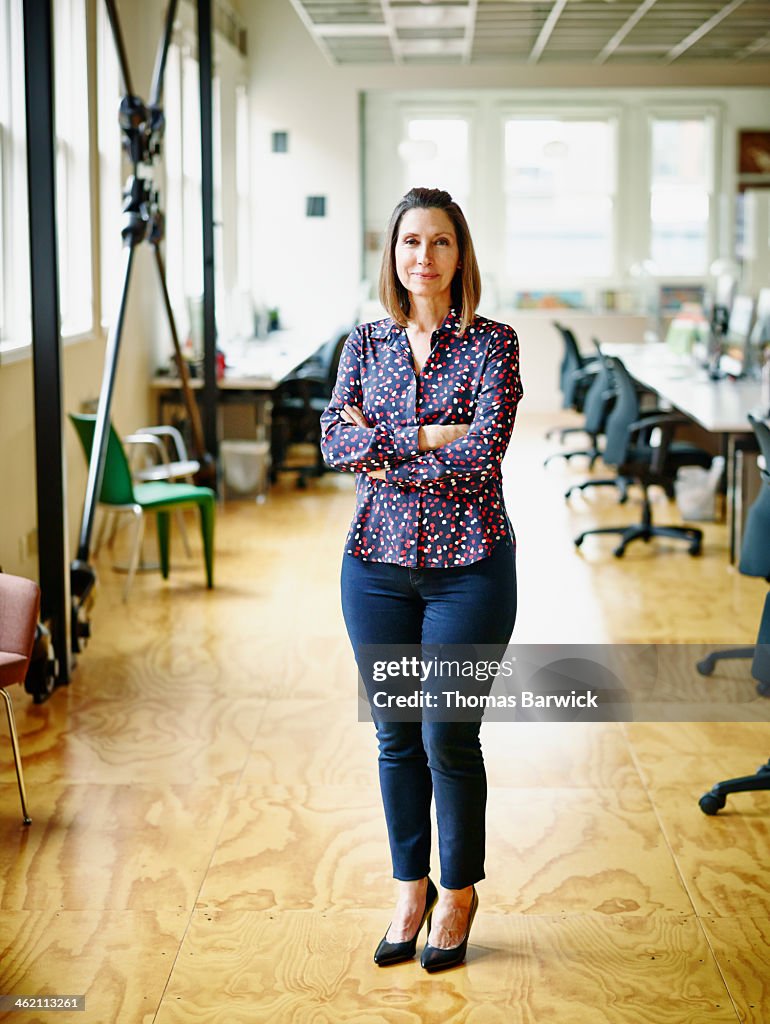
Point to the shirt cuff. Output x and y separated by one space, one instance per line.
406 442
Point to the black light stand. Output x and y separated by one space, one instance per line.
142 127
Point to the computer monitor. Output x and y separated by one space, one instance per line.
736 358
760 332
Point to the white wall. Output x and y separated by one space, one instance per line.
308 267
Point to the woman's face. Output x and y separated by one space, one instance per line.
427 254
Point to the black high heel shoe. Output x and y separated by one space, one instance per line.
388 953
435 959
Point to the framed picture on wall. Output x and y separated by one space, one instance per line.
754 153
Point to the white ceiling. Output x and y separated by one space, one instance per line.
525 31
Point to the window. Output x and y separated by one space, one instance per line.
181 198
681 187
560 182
73 174
110 169
15 323
434 153
242 186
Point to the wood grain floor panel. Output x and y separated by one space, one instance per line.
740 946
300 847
557 754
110 847
310 967
579 851
120 961
549 851
697 754
196 738
327 744
724 859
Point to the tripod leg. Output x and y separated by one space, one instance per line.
156 90
102 427
117 35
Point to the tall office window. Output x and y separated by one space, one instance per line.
110 168
73 178
219 225
242 185
681 187
182 198
171 195
15 324
191 177
560 182
434 153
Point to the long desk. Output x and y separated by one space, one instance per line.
721 407
254 370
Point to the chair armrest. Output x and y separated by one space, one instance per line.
146 438
166 430
671 419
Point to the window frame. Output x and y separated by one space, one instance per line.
411 110
660 111
612 114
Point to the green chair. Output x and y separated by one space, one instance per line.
119 493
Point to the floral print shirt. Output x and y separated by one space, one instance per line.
437 508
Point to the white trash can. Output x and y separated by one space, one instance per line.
695 489
246 467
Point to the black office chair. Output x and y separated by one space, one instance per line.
576 373
630 451
599 400
754 561
298 402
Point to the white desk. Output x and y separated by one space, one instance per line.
719 406
254 368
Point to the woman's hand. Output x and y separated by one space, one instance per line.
436 435
433 436
352 414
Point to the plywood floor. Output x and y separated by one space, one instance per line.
208 844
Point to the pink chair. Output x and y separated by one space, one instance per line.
19 610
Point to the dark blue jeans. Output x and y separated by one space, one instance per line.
385 603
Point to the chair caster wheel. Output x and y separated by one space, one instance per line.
709 803
705 667
619 552
695 548
579 540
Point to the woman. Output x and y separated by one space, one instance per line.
423 411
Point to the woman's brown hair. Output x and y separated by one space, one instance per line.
466 284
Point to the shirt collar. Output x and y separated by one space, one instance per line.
446 330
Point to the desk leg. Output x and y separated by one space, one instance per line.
735 496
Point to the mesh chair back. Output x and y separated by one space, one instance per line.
755 545
625 411
572 360
117 486
599 398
